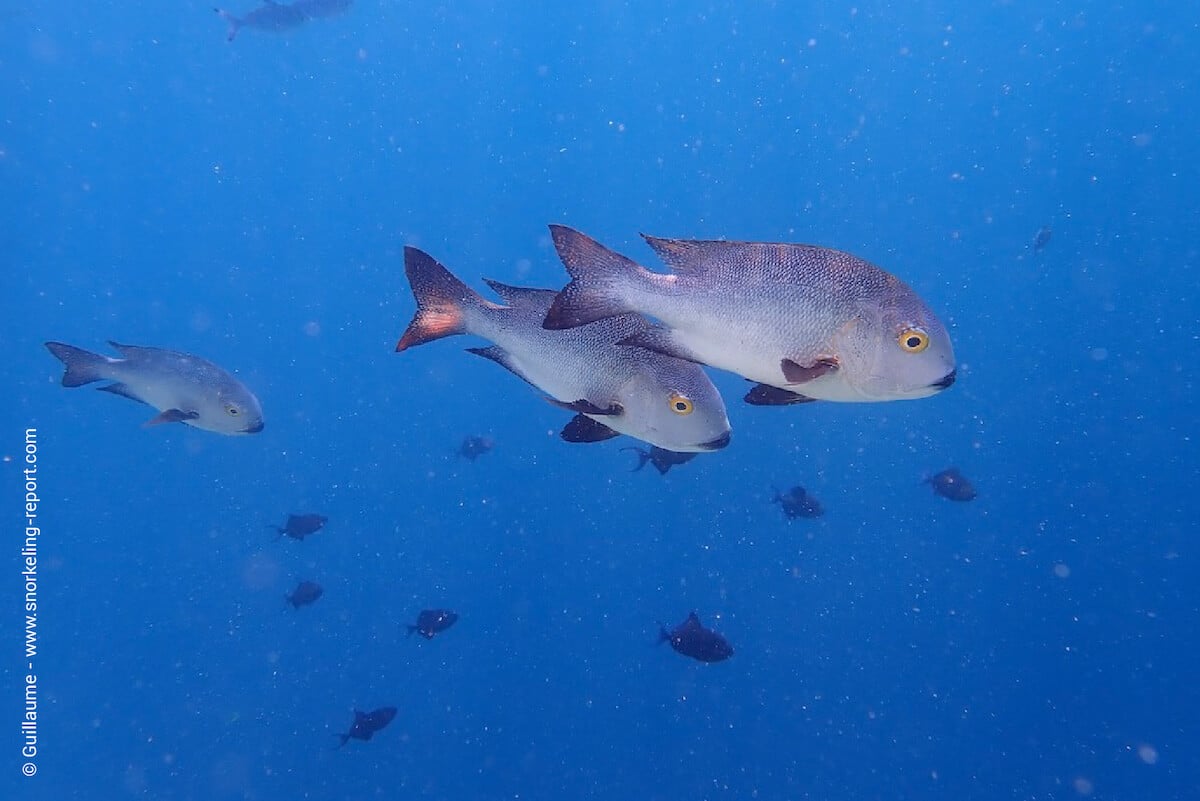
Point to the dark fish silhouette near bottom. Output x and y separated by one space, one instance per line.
690 638
300 526
367 723
952 484
798 502
433 621
306 592
474 447
662 459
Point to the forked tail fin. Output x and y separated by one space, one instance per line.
235 24
441 300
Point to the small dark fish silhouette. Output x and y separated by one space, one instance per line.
690 638
300 526
433 621
367 723
662 459
952 484
270 16
1042 238
474 447
798 502
306 592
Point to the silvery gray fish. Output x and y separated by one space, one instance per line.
270 16
803 322
615 390
184 388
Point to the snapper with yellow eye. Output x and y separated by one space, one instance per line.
613 389
802 322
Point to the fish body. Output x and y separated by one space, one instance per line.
182 387
798 502
661 459
300 526
270 17
817 323
952 484
667 402
306 592
691 638
1042 238
433 621
367 723
474 447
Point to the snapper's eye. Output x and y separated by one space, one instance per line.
681 404
913 340
233 411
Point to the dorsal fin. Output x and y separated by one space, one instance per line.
522 297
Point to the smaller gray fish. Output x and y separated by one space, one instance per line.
306 592
300 526
182 387
798 502
613 389
952 484
271 17
691 638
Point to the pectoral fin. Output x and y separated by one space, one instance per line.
585 429
585 406
767 395
172 416
795 373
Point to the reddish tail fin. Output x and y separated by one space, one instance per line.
441 300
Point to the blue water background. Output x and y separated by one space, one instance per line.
249 201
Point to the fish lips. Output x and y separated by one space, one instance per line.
253 428
945 381
716 444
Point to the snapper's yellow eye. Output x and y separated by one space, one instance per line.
233 410
681 404
913 340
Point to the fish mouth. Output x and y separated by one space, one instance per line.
945 381
715 444
254 429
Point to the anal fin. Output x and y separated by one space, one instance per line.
123 390
660 340
172 416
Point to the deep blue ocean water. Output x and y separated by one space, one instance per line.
249 202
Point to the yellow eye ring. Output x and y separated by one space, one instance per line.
233 410
913 340
681 404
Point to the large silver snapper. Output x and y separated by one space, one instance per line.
804 322
182 387
613 389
